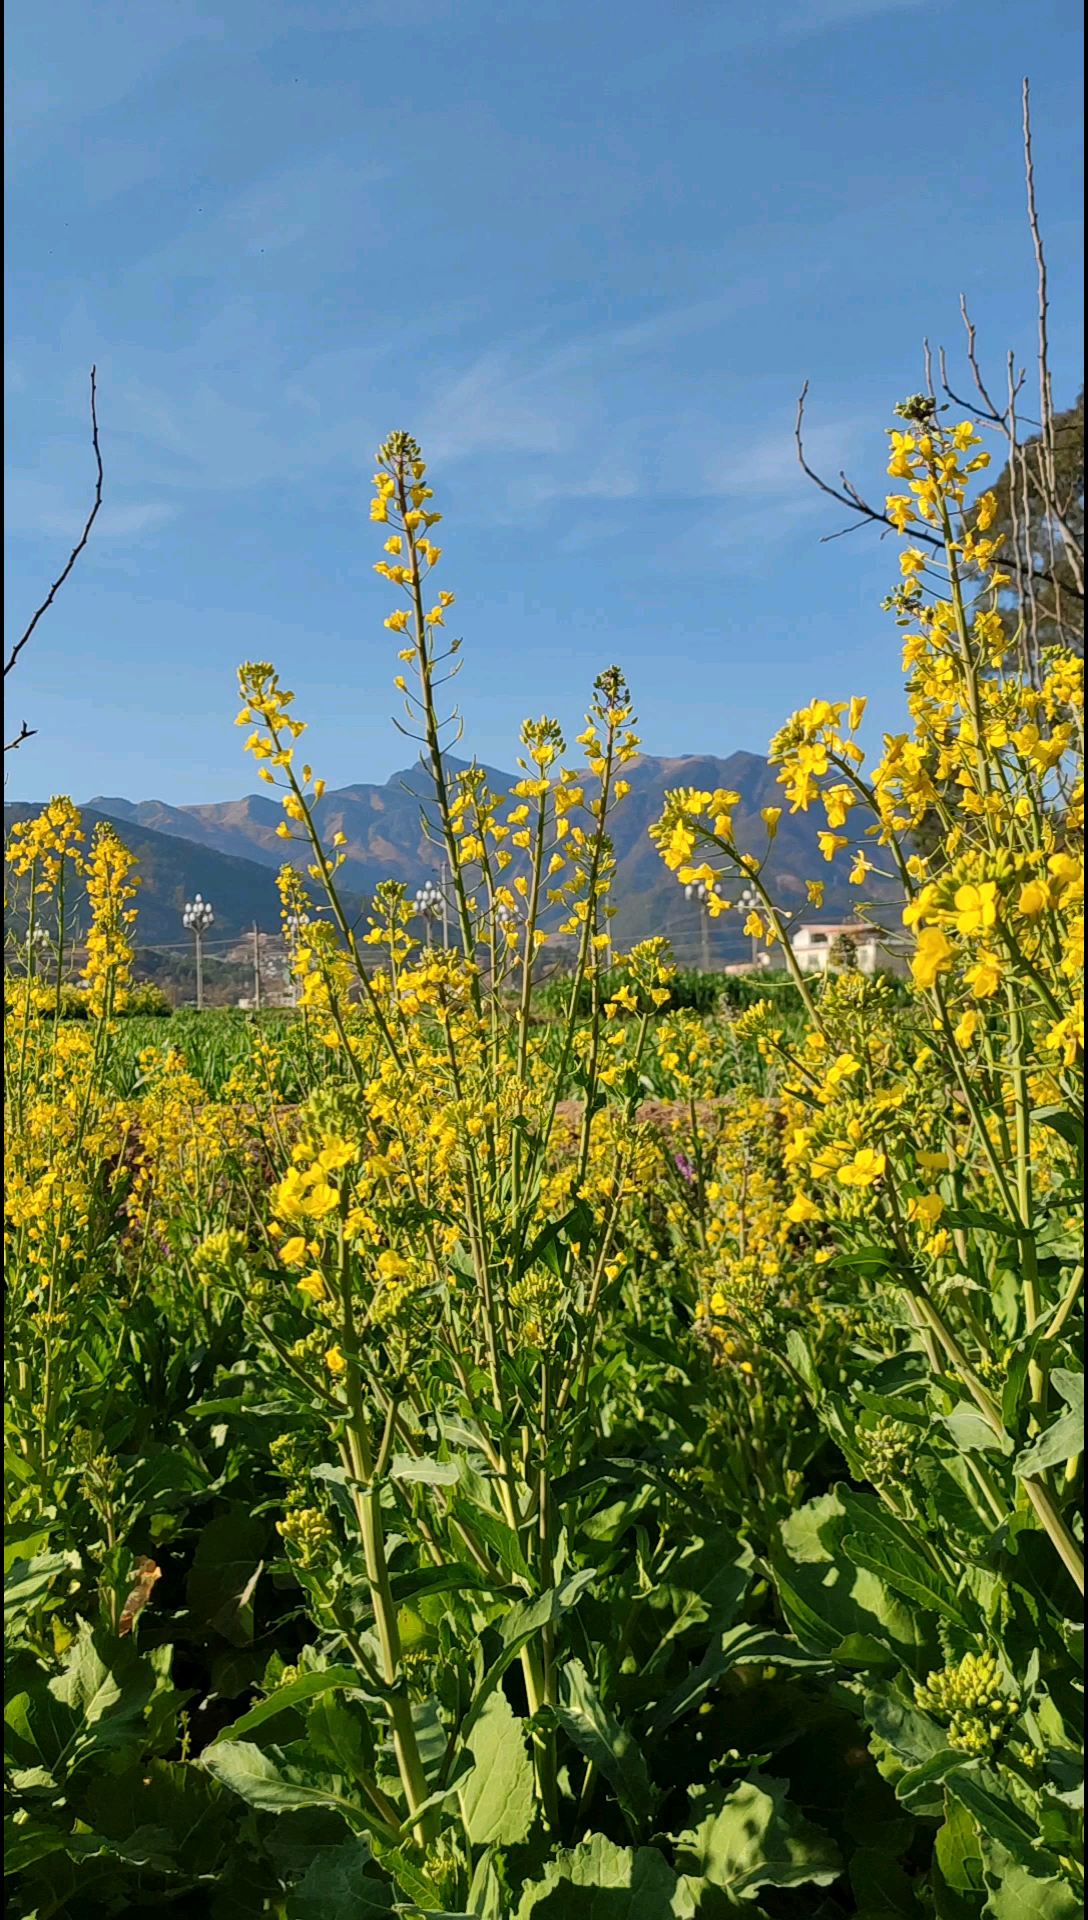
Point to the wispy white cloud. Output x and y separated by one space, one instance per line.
767 464
285 210
35 508
122 43
503 402
681 320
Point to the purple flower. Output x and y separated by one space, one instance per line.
684 1168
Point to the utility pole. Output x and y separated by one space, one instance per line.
256 968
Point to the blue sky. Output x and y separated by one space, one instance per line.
586 253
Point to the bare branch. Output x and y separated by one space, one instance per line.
848 495
999 419
80 543
24 733
1045 399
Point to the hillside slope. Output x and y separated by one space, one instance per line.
229 850
384 837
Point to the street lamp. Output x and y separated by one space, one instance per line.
294 927
428 905
196 919
503 918
698 892
748 902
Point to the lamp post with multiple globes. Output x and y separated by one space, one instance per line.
429 906
196 919
697 892
748 902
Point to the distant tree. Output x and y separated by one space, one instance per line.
1041 515
843 954
1040 489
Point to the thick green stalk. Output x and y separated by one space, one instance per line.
366 1497
1024 1198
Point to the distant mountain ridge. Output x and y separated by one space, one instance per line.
229 850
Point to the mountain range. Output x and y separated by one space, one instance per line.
229 850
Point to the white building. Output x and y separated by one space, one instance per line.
876 950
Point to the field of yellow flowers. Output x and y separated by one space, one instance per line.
440 1484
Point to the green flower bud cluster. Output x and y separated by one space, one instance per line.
887 1449
994 1367
971 1700
537 1300
918 408
757 1022
289 1456
311 1349
219 1257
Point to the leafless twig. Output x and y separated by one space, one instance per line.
846 493
24 733
76 550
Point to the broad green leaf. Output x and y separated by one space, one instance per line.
32 1841
430 1473
752 1837
1061 1121
485 1895
736 1647
414 1582
1065 1438
25 1540
987 1796
176 1805
886 1547
704 1584
916 1788
493 1531
959 1851
600 1881
339 1731
105 1687
431 1737
524 1620
28 1581
911 1752
799 1354
826 1596
341 1885
306 1687
497 1797
1018 1894
255 1777
224 1574
973 1434
899 1406
909 1735
882 1887
603 1741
